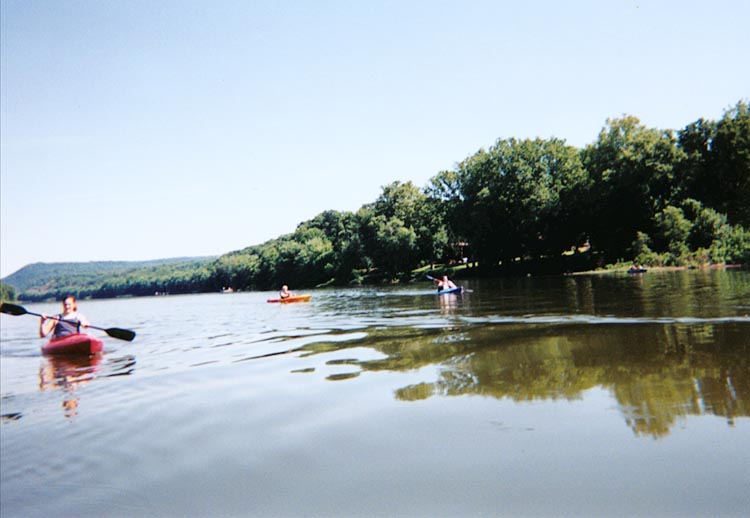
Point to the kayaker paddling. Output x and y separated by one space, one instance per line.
67 323
285 293
74 340
445 283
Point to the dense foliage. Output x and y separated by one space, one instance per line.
7 293
636 194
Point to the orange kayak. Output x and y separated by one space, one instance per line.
293 298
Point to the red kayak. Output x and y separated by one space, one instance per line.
294 298
75 344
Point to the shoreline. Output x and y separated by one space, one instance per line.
624 269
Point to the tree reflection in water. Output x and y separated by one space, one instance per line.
658 372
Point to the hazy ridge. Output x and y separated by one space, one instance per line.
36 275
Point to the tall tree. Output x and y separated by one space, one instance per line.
729 164
404 205
632 173
514 198
341 230
692 171
445 202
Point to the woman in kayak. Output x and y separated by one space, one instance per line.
67 323
445 283
285 293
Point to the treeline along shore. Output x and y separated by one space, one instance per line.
650 196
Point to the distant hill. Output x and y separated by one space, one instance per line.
40 274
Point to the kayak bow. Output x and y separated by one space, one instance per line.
75 344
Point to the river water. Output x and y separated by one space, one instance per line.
605 395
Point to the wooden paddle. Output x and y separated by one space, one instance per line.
114 332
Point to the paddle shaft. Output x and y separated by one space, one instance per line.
74 322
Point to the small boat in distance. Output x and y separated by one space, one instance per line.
293 298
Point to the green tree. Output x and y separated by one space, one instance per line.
7 293
674 228
342 230
413 209
388 244
729 165
736 245
397 251
445 204
707 226
642 252
716 166
695 142
401 200
632 170
235 270
516 199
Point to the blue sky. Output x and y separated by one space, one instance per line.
143 130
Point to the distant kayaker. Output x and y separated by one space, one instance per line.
285 293
445 283
67 323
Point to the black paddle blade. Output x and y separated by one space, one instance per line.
12 309
122 334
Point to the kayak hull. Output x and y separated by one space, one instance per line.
457 289
77 344
294 298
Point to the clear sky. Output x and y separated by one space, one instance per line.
141 129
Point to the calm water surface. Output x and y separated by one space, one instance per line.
610 395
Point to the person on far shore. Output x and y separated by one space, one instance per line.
285 293
66 323
445 283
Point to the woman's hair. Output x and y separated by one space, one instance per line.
75 302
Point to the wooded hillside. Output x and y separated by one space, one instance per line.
656 197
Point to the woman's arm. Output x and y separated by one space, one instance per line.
46 325
83 320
